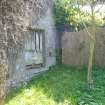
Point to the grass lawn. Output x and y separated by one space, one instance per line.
60 85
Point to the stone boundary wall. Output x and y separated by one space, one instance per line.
75 48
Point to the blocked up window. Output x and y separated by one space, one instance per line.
35 49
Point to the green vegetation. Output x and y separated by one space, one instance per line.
60 85
68 13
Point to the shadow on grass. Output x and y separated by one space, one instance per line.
62 83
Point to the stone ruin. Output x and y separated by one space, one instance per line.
27 36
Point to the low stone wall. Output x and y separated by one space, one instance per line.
75 47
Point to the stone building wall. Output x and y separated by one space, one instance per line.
75 48
20 74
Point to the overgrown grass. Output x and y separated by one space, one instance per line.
60 86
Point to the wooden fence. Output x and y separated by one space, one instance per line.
75 47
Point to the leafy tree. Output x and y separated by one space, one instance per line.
92 37
79 19
66 14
